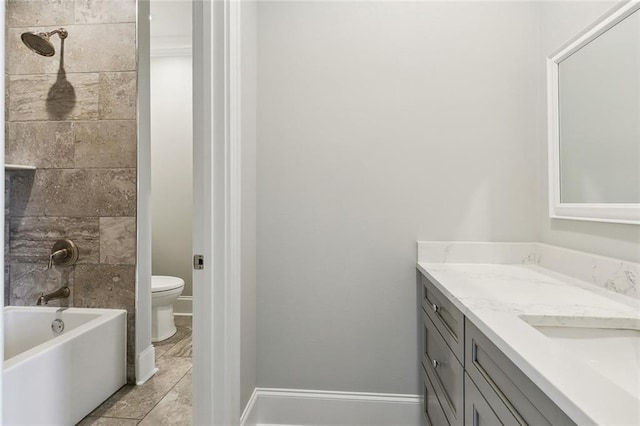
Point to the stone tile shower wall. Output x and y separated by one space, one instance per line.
73 117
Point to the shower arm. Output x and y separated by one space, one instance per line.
62 33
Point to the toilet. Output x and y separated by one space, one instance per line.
164 292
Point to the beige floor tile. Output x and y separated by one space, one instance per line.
160 351
135 402
165 345
184 321
183 348
175 408
107 421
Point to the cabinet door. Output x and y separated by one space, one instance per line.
445 316
444 371
432 411
478 412
497 377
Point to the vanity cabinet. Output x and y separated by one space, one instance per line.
477 411
431 410
511 394
445 372
467 380
447 319
442 357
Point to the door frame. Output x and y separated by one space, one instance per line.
145 359
2 43
216 337
217 214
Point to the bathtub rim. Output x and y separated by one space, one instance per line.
105 316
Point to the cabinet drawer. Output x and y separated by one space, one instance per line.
446 317
497 377
479 411
445 372
431 410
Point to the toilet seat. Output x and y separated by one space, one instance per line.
164 283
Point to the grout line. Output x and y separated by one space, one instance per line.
20 76
80 120
112 417
78 168
72 121
75 24
46 72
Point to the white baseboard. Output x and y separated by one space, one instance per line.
323 408
183 306
146 365
250 414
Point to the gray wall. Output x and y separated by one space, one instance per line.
560 21
248 275
381 124
76 122
172 168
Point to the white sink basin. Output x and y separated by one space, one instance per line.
610 346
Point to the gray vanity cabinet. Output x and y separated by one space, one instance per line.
447 319
477 411
512 395
432 410
467 380
444 371
443 351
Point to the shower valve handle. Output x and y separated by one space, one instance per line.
63 253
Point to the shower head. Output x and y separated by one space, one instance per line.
39 42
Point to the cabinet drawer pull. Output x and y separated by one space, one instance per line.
435 308
435 363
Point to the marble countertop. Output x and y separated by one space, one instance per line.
493 296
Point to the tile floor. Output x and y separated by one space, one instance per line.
163 400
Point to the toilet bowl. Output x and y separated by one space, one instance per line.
164 292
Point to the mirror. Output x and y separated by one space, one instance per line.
594 121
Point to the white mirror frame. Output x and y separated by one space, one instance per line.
598 212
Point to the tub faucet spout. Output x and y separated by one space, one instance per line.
60 293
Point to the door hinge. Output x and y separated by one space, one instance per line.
198 261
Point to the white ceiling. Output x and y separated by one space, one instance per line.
170 24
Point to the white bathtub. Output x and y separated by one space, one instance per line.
53 379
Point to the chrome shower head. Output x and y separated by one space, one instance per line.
39 42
